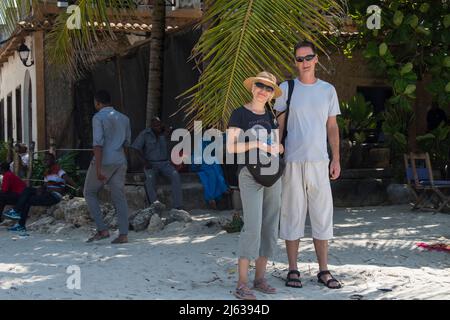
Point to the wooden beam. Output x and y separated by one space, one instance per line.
40 89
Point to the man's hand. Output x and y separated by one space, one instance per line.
101 177
335 169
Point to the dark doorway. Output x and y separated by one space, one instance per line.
19 114
378 96
2 120
9 117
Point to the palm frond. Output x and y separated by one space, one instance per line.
77 49
13 11
246 37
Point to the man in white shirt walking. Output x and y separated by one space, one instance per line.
311 121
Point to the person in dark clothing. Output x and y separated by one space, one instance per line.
152 148
49 194
435 117
12 187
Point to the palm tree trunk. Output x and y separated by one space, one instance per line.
155 75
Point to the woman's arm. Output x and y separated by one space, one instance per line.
233 146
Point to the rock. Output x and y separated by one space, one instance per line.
42 225
175 227
217 222
141 219
399 194
76 211
158 207
38 211
179 215
155 224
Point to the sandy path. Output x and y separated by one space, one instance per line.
373 249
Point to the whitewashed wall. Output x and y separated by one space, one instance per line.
12 75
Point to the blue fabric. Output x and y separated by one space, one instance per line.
211 177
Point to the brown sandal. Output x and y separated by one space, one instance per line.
120 239
262 286
98 236
245 293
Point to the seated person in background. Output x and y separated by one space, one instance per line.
12 187
47 195
24 160
211 177
435 117
152 148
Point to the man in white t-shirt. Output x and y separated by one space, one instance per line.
306 180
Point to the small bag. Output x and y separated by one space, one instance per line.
267 180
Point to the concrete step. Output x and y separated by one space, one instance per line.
192 196
360 192
374 173
138 178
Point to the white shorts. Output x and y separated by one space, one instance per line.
306 189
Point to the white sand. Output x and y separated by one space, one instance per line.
373 249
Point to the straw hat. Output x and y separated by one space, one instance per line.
266 78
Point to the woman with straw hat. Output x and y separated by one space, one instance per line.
261 205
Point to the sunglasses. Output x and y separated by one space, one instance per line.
309 57
263 86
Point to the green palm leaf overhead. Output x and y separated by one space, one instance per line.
244 38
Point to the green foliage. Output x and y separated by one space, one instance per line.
356 116
396 121
3 151
437 144
413 41
235 225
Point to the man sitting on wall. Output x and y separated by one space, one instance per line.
152 148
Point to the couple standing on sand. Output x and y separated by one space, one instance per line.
307 108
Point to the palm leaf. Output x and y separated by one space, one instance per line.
246 37
13 11
77 49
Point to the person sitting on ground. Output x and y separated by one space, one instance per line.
211 177
12 187
47 195
152 148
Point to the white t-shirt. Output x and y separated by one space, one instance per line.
311 105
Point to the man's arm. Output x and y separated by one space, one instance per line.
333 139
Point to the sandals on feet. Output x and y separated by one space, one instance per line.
245 293
332 279
120 239
98 236
290 280
262 286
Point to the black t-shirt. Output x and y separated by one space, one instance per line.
254 126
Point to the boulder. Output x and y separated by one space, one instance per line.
141 219
42 225
76 211
155 224
179 215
